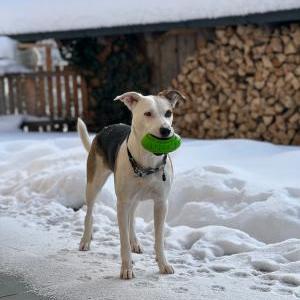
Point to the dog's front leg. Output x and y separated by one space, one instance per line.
160 212
134 242
123 210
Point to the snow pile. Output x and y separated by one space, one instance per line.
202 197
8 48
210 242
8 57
59 15
233 212
8 66
10 123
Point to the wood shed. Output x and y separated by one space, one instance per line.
173 30
183 39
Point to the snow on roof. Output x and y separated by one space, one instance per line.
33 16
8 48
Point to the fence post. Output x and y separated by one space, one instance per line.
75 95
50 94
42 106
85 105
2 97
30 94
18 94
58 91
67 94
11 95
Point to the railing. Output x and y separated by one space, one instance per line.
56 96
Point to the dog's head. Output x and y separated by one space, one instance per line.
152 114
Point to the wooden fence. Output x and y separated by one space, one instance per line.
46 98
168 51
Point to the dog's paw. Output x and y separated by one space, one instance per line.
84 245
126 273
166 269
136 247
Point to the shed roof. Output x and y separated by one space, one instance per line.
33 19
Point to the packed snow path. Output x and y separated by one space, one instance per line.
233 227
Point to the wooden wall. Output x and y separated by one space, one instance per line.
168 52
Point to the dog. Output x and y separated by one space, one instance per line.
138 174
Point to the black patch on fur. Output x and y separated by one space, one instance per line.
109 140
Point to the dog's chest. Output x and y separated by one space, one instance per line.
143 188
152 186
130 186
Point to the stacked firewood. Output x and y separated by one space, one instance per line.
244 83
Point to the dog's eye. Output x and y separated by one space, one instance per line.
168 114
148 114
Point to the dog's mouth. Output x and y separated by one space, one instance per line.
161 138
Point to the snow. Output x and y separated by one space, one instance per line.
8 66
56 57
10 123
32 16
8 57
232 232
8 48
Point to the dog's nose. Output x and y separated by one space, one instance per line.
164 131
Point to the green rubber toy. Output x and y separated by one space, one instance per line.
160 146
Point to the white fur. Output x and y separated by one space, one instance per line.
83 133
130 189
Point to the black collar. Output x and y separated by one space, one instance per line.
141 171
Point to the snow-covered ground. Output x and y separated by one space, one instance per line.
233 227
57 15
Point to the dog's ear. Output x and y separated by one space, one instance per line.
172 95
130 99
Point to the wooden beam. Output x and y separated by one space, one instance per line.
48 58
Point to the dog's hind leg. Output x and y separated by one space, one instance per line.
97 174
134 242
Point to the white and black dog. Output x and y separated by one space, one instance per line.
138 174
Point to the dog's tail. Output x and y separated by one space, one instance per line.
83 134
